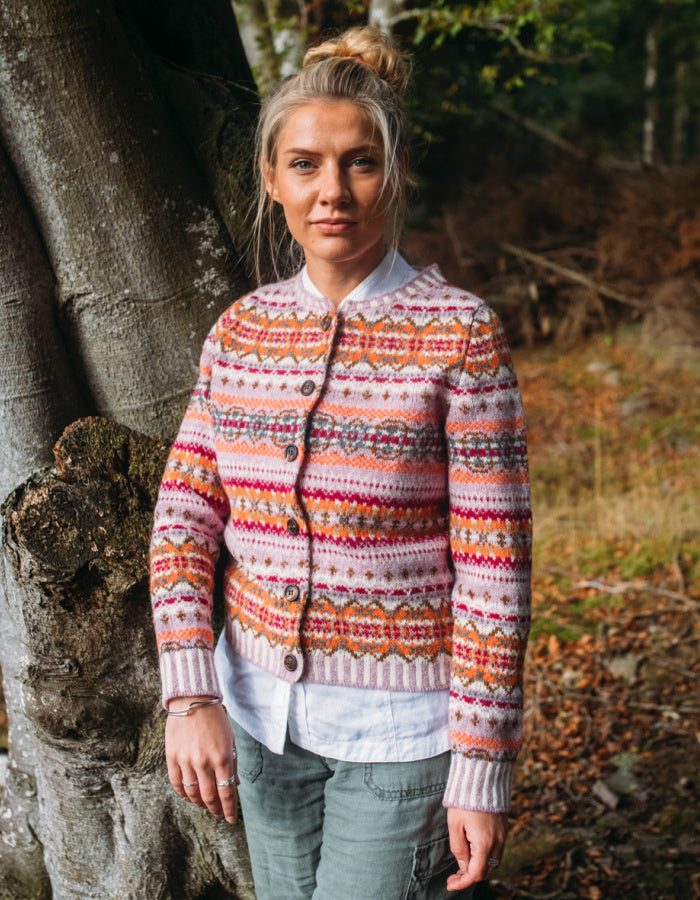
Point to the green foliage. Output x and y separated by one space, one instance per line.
577 68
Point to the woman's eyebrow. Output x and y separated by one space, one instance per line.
309 151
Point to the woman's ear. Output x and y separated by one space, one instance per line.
268 174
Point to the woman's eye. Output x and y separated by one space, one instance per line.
363 162
301 164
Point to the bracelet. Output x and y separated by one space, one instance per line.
193 705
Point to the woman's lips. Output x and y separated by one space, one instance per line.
333 226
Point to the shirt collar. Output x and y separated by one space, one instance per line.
391 274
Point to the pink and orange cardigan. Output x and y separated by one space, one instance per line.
366 468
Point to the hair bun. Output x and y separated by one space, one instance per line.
370 46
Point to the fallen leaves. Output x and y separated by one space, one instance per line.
608 782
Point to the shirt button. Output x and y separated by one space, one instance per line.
308 387
291 593
292 526
326 322
290 662
290 453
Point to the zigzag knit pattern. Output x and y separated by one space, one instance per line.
366 468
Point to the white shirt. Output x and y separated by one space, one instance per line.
351 724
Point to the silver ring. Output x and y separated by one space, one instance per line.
235 754
227 782
493 862
189 783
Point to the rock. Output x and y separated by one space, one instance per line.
622 782
624 666
605 795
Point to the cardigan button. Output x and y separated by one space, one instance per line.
292 526
290 453
290 662
326 322
291 593
308 387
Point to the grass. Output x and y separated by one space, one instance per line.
614 435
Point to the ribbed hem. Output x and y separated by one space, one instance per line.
188 673
478 784
391 674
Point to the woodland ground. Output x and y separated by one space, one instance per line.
607 790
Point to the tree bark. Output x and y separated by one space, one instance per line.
142 261
274 35
39 397
113 264
76 545
256 34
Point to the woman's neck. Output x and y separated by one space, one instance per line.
336 280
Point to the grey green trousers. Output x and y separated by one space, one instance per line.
323 829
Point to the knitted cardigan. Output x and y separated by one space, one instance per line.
366 468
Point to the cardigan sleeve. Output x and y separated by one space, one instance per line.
490 542
190 516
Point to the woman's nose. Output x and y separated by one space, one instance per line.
334 185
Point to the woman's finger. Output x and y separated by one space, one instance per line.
226 781
177 779
209 794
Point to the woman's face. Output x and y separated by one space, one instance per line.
328 178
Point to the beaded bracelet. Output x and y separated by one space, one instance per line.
193 705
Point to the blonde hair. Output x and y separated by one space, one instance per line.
360 66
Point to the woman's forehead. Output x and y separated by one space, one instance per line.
324 120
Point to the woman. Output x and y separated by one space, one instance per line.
356 441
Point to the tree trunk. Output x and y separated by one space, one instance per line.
681 114
39 397
76 546
651 117
142 261
274 36
114 262
381 13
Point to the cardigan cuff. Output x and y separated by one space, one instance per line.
478 784
188 673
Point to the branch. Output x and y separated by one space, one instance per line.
622 587
539 130
572 275
534 55
501 25
606 162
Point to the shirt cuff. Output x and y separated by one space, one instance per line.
479 784
188 673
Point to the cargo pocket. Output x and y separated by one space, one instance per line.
432 863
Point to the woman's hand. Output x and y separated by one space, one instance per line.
475 837
199 750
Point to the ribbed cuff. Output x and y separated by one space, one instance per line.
188 673
478 784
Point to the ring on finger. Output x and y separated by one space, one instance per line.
227 782
492 863
189 783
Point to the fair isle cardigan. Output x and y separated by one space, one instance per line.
366 468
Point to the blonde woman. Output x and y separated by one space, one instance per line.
356 442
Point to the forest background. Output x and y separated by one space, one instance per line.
556 169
